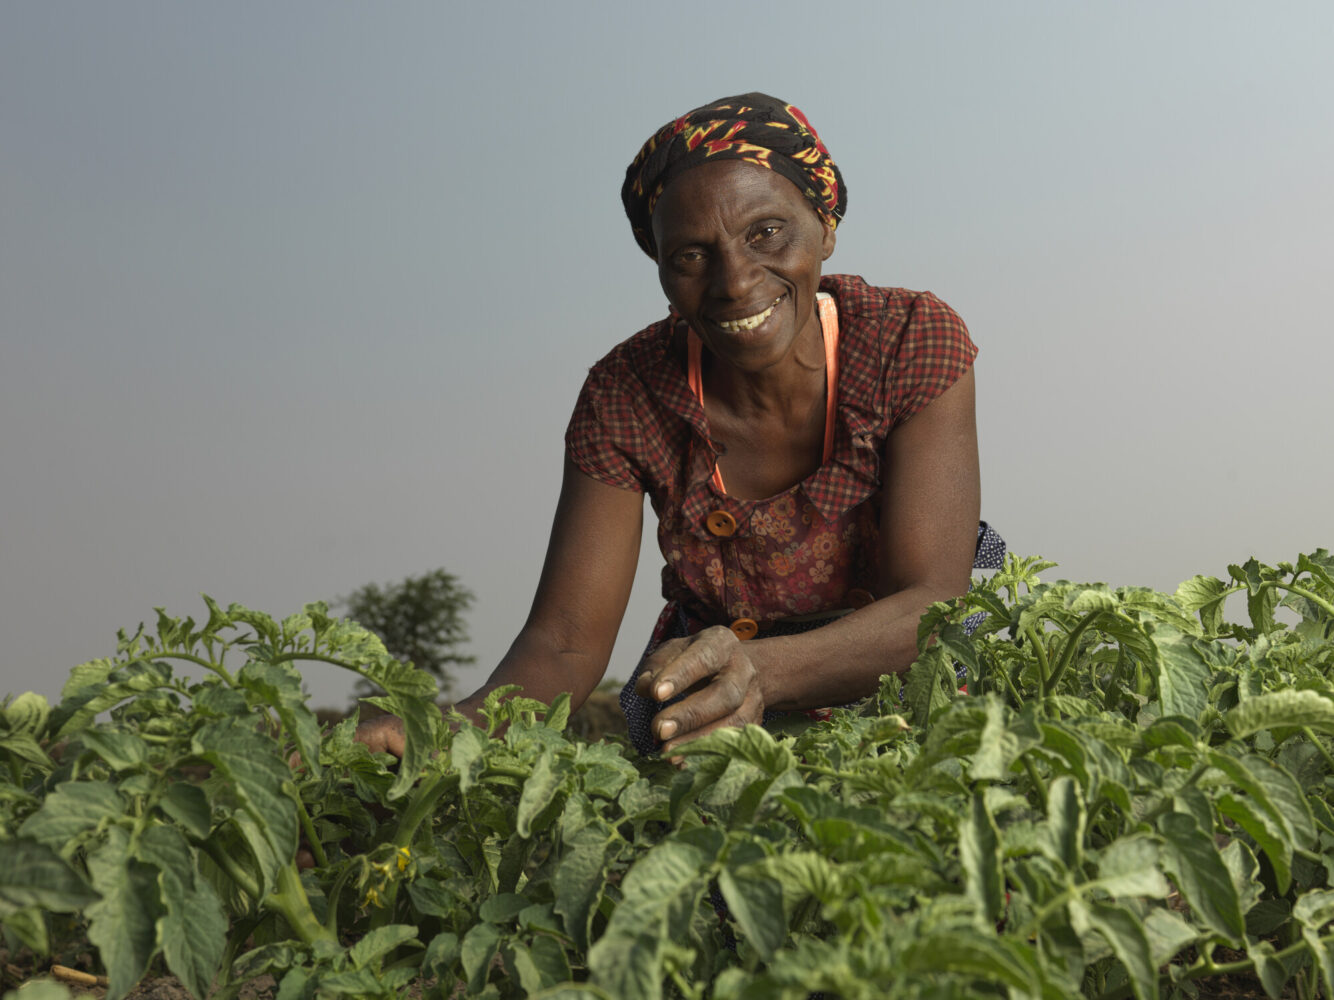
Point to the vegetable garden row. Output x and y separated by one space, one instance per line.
1131 799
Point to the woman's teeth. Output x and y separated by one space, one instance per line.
749 322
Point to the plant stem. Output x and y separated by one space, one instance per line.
422 805
1206 967
231 869
1033 776
312 838
1329 760
290 900
1040 652
216 668
1068 650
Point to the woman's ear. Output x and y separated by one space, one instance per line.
827 245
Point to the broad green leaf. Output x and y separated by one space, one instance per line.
122 751
40 989
122 925
26 714
973 953
1269 835
660 893
1066 818
78 711
1244 870
28 926
278 686
297 984
1000 744
1129 866
520 968
549 958
1312 912
1268 969
380 942
542 786
1281 708
578 880
410 694
465 755
250 781
188 806
755 902
193 930
752 744
502 907
479 947
1183 677
75 807
1125 934
1205 595
86 677
24 747
1191 857
441 954
980 858
1168 934
558 716
35 875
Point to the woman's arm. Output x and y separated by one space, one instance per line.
928 533
567 640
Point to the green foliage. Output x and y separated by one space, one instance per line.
1132 784
419 620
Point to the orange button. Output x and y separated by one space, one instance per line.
745 628
721 524
858 598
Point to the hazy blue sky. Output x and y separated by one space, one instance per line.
298 296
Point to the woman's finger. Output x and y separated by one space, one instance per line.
679 668
729 698
751 710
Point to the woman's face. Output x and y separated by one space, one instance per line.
739 255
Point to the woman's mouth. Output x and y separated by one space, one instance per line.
749 322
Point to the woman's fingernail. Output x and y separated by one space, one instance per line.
665 690
667 730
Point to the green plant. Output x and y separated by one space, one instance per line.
1133 797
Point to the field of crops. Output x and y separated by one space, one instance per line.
1129 797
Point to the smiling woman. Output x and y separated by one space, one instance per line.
807 442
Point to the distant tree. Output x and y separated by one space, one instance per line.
420 620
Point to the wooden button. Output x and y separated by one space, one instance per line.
858 598
745 628
721 523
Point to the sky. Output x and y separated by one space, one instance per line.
297 297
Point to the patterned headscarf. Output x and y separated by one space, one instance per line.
753 127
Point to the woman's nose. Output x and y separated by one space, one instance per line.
734 274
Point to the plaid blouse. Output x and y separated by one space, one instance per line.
637 426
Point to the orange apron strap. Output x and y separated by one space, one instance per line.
827 309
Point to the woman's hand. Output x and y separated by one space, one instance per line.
716 670
382 734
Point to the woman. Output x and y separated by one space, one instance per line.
808 444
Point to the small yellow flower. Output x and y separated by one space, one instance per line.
403 856
372 898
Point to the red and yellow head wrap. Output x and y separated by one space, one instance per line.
753 127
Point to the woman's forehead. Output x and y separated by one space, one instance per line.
729 191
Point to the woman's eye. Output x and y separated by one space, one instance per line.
766 233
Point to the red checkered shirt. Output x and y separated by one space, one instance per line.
637 426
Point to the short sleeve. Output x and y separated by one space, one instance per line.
932 353
604 434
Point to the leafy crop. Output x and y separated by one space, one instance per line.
1133 796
